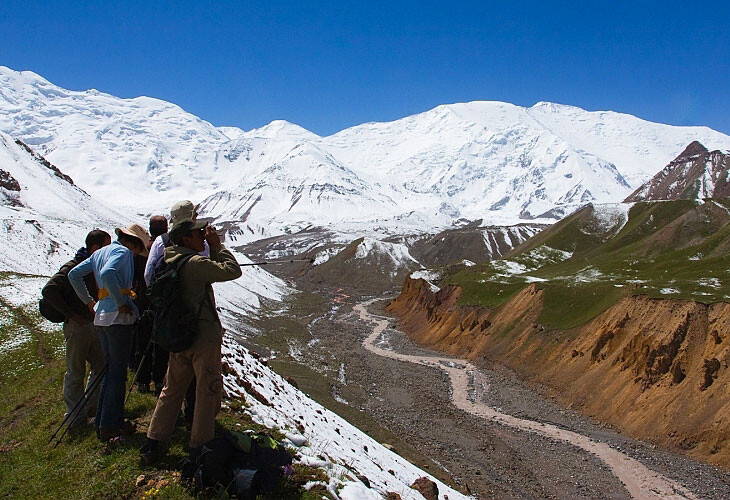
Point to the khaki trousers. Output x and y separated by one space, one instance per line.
202 360
82 346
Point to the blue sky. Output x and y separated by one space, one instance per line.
330 65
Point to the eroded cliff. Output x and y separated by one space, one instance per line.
655 368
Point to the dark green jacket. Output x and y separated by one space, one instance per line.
196 277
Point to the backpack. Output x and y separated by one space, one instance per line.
174 325
160 262
246 465
49 312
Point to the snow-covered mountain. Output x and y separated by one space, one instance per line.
695 174
480 160
44 217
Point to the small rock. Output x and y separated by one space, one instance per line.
426 487
292 381
140 480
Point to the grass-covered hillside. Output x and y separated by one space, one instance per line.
589 260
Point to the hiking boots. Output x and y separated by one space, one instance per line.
106 433
151 451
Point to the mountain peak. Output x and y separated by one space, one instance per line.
282 129
694 174
693 149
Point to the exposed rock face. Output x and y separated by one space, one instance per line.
650 365
45 162
695 173
8 182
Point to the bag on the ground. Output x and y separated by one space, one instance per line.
49 312
174 325
246 465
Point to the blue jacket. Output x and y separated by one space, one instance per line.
113 268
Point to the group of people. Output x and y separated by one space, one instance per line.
101 294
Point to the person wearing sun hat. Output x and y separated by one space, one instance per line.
182 210
202 360
114 314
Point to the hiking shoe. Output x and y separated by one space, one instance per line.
107 433
151 451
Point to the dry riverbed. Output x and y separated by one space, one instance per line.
483 454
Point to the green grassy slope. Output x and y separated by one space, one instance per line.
587 262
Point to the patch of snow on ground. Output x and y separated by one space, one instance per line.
325 255
425 274
611 217
509 266
468 263
711 282
533 279
396 251
295 350
21 337
428 276
587 275
542 256
341 374
668 291
21 291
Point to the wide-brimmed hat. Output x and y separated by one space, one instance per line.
138 232
183 210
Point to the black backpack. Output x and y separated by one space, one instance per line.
174 326
246 465
49 312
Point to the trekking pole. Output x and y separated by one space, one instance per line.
139 368
93 385
265 262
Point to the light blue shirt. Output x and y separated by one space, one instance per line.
113 268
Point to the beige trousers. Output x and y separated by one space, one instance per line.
202 360
82 347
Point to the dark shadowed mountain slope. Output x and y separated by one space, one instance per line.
695 174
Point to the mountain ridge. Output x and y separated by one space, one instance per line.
486 160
